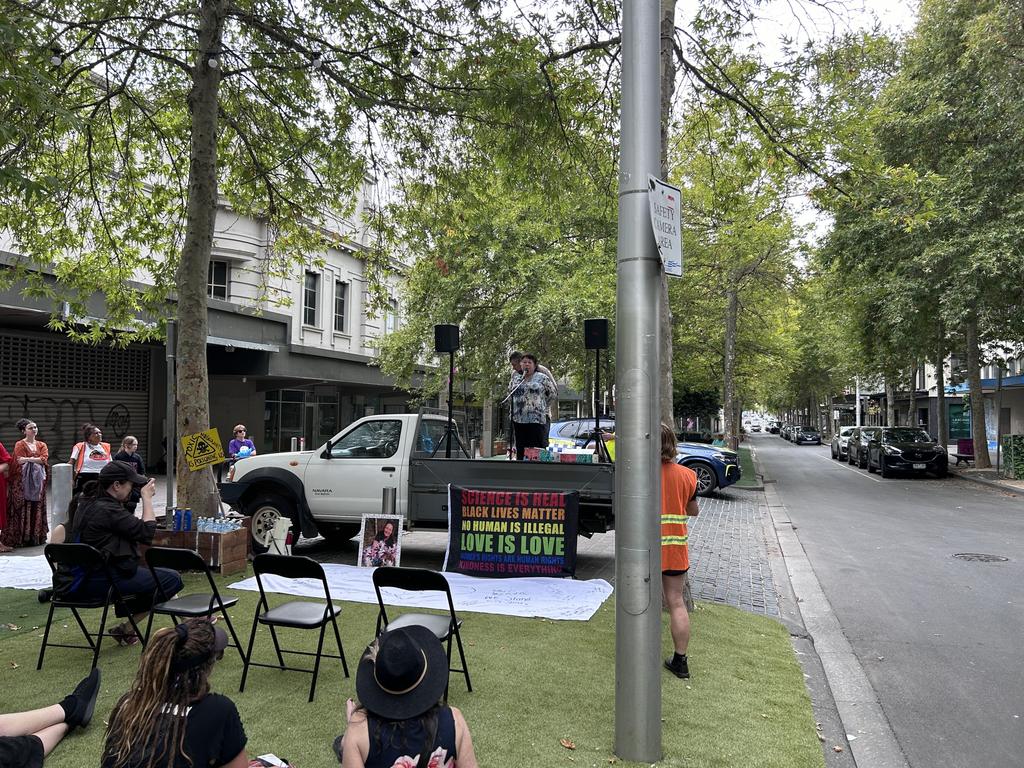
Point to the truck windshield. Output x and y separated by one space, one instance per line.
372 440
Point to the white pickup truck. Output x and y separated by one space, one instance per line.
329 489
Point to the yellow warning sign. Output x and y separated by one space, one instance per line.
202 449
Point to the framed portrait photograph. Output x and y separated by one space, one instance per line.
380 541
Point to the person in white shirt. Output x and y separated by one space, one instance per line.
89 457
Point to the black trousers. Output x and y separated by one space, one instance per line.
529 436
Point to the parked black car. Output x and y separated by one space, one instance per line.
857 447
806 434
774 427
906 449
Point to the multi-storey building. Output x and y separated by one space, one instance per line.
301 369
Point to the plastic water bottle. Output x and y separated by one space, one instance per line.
186 521
177 519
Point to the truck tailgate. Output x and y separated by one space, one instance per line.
429 479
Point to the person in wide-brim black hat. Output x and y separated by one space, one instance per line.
400 682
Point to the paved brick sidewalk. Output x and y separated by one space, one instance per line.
729 553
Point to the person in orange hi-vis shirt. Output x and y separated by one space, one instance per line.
678 501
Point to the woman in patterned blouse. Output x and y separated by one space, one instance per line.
531 399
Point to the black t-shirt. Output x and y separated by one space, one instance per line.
213 736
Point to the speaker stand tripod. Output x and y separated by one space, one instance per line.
450 433
600 447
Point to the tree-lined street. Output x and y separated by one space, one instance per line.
938 636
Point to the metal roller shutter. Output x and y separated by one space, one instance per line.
62 385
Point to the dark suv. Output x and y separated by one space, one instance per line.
804 434
857 447
906 449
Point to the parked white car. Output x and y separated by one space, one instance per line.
841 443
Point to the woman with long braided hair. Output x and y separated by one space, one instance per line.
169 718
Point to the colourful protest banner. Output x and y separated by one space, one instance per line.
512 533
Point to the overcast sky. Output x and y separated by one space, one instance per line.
803 20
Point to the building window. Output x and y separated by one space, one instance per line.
217 281
310 289
340 306
391 317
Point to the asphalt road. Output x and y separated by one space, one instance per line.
940 638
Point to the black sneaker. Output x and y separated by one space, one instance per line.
677 666
84 701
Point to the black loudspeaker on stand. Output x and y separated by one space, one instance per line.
595 333
446 339
595 337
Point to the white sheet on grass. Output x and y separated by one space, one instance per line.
539 596
18 572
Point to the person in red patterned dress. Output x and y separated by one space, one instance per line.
5 469
26 518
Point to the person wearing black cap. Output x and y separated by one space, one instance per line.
26 738
401 719
103 521
169 717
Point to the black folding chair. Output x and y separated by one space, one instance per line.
83 561
187 606
443 627
294 614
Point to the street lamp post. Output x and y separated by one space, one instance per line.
637 422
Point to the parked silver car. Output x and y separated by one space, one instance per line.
841 443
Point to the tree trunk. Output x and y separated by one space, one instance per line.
197 489
940 390
978 433
668 81
728 369
890 403
912 402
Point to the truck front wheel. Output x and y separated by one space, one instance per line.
265 510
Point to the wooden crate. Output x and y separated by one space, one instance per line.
223 552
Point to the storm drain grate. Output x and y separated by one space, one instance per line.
978 557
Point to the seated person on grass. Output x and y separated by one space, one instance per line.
169 718
26 738
401 719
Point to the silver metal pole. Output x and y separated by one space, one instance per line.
388 500
999 416
172 416
60 494
637 432
857 409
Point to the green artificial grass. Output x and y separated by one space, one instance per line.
749 477
535 682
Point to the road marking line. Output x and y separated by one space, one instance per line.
850 467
